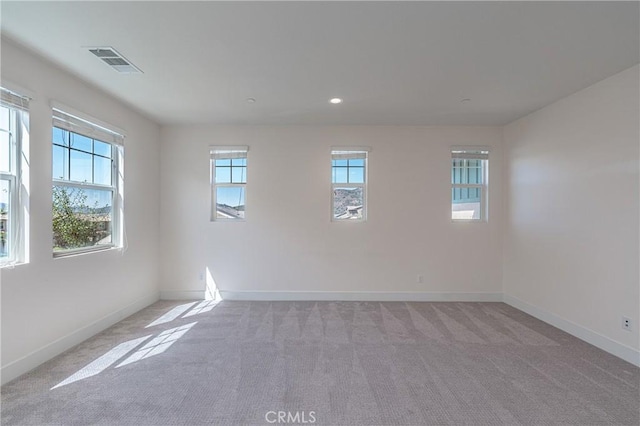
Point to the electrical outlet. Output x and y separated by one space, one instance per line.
420 279
201 276
626 323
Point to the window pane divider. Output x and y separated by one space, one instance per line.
467 185
347 184
82 185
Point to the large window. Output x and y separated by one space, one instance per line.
469 180
228 182
349 184
13 132
86 185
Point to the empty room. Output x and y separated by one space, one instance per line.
333 213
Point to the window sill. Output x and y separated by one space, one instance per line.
11 264
82 251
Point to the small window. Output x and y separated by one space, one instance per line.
87 195
13 132
349 184
469 180
228 183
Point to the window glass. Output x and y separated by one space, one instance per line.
101 148
80 167
468 185
348 178
4 117
356 174
5 150
223 174
14 163
238 174
101 170
60 162
83 215
339 175
81 142
230 202
229 168
466 204
60 137
348 202
5 218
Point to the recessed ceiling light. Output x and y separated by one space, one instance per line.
335 101
251 100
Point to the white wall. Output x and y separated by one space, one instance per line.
571 226
288 245
49 304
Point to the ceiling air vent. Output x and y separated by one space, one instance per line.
111 57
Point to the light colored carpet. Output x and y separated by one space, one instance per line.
338 363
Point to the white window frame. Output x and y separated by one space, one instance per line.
68 119
227 153
473 153
350 153
18 106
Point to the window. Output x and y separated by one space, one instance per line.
469 179
87 176
14 130
349 184
228 182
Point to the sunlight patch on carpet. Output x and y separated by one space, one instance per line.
172 314
158 345
102 363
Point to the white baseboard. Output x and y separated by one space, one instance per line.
606 344
40 356
368 296
182 294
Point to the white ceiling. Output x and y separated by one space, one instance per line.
393 62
